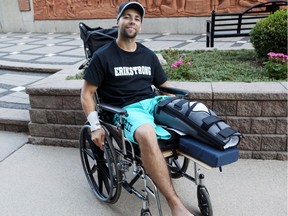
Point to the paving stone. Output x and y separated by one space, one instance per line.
21 57
2 90
51 41
19 79
174 37
60 60
160 45
72 43
76 52
193 46
75 36
28 40
5 39
146 36
44 50
10 115
19 48
10 99
49 35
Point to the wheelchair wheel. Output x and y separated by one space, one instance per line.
177 167
100 167
204 201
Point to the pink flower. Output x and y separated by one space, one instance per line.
271 54
280 55
277 57
177 63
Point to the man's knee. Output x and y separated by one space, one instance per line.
145 133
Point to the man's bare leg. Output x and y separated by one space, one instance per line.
155 164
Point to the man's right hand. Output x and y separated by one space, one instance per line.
98 137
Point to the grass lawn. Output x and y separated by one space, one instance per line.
215 66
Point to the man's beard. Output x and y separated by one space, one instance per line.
125 34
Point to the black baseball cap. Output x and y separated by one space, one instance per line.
131 5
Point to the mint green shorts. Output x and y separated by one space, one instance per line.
141 113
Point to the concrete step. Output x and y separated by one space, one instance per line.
15 120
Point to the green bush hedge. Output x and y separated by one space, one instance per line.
270 34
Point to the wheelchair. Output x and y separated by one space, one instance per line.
107 170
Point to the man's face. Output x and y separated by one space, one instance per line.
130 23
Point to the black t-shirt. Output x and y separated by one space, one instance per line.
124 77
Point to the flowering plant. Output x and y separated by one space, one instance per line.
181 67
178 63
276 66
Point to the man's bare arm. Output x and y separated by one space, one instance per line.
88 105
87 97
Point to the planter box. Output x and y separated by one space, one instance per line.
257 110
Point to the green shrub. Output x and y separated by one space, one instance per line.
270 34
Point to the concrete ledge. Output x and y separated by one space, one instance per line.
14 120
258 110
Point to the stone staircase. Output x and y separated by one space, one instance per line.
14 120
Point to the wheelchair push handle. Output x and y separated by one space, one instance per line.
176 91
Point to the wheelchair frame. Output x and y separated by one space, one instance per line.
106 171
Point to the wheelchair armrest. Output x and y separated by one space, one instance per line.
176 91
113 109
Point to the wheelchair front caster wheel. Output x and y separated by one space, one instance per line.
145 212
204 201
177 167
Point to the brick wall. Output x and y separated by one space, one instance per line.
263 123
258 110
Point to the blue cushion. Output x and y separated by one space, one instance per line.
207 154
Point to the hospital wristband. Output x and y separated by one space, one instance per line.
94 121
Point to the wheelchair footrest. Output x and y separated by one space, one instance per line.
207 154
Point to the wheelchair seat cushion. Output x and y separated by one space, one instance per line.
171 143
207 154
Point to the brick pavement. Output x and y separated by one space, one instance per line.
67 49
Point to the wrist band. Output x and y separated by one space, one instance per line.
95 127
94 121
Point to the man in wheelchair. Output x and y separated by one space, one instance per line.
122 72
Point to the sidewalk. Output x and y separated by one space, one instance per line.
44 180
48 181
